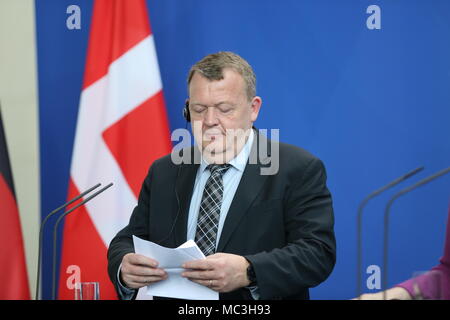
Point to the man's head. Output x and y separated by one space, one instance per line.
222 104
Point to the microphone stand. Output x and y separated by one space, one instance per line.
55 229
41 233
387 213
359 222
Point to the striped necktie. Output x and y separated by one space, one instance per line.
209 214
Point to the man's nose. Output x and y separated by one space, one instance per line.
210 117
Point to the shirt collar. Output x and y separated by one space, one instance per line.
240 161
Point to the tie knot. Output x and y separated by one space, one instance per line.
218 169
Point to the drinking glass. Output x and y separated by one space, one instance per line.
87 291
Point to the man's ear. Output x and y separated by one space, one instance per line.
255 106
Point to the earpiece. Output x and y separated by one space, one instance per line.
186 113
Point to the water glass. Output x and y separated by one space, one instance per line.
87 291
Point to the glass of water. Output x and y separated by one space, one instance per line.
87 291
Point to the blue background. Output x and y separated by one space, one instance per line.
372 104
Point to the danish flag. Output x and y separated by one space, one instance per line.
121 129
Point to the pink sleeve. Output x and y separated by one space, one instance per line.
436 283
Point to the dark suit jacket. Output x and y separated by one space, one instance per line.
282 223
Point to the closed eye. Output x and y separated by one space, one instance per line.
198 108
225 107
225 110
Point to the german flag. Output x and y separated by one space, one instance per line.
13 273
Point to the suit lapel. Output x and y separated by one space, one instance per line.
249 187
184 187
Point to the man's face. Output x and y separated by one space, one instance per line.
220 112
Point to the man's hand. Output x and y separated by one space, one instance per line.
138 271
221 272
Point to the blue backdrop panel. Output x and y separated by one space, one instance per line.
373 104
61 57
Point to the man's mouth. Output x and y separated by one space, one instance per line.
211 135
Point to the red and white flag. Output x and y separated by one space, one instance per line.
13 271
122 128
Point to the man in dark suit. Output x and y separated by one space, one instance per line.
267 233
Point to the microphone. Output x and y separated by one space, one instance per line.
41 234
55 228
359 222
387 215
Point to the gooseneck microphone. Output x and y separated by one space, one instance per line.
387 216
41 233
55 229
359 222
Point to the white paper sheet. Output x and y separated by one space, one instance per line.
171 260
